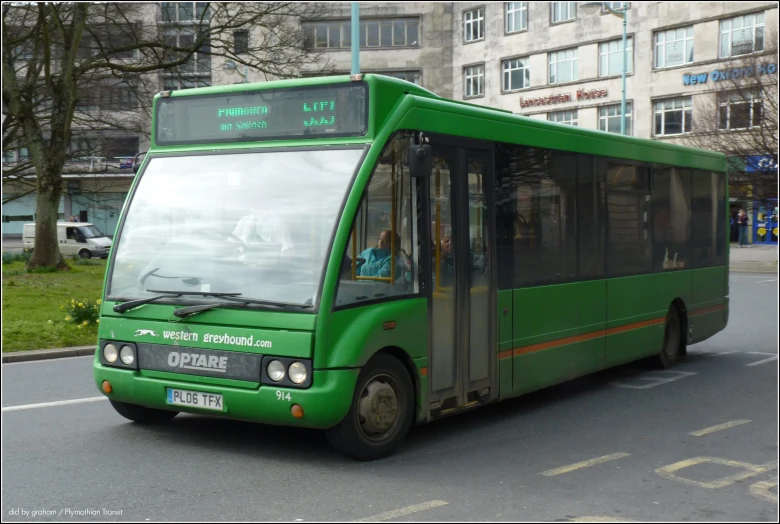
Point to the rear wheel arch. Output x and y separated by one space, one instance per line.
682 311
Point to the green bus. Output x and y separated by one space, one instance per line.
357 254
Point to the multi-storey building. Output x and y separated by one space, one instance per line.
545 60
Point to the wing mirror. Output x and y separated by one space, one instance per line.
420 159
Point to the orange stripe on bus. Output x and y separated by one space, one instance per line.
560 342
706 310
596 334
579 338
423 372
635 325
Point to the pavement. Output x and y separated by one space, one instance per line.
11 243
757 258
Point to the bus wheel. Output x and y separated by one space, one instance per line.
381 411
671 348
85 253
141 414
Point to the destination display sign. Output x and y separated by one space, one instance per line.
335 110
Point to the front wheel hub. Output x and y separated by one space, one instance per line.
378 408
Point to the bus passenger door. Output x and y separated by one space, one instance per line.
462 300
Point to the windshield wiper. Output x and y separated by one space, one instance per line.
237 302
269 303
119 308
192 310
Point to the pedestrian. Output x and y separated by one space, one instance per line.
73 218
742 221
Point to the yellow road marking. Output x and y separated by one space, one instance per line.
713 429
404 511
750 470
583 464
761 490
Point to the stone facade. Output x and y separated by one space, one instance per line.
585 32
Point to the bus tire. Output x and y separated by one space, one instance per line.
141 414
670 351
381 413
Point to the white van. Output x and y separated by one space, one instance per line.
74 238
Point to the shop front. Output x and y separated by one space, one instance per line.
765 222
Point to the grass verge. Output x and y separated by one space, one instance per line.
35 305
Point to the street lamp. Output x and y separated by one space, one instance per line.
355 38
595 7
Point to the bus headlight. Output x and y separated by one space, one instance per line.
127 355
110 353
286 372
275 370
297 372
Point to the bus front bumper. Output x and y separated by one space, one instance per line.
324 404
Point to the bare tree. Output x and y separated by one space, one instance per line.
740 120
73 69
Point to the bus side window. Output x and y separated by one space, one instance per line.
380 259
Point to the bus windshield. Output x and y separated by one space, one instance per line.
255 223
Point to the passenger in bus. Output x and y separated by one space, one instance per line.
378 262
447 261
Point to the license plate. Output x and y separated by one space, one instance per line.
197 399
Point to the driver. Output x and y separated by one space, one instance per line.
263 227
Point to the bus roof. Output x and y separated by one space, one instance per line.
386 94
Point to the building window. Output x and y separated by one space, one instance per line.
175 83
120 147
563 66
562 11
673 116
474 81
516 16
21 154
23 51
187 12
82 147
88 99
517 74
674 47
118 98
474 25
337 34
615 6
742 35
564 117
197 71
409 76
116 42
609 118
739 110
241 42
611 57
